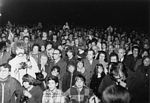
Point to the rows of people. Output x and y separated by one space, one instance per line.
76 65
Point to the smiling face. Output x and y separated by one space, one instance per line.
52 85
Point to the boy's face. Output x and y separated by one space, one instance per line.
79 83
52 85
4 72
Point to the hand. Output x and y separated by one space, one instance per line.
123 84
27 94
94 99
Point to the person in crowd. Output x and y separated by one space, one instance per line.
121 55
11 90
132 59
116 94
89 64
58 61
103 61
80 93
69 77
31 92
52 94
4 55
113 58
35 53
80 67
49 51
97 78
22 64
117 75
141 88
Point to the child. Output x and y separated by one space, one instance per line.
52 94
32 93
10 88
80 93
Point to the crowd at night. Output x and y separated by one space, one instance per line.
68 61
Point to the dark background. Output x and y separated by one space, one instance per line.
133 13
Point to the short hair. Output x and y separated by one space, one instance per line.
112 55
36 45
56 67
54 78
115 94
29 78
6 65
136 47
81 77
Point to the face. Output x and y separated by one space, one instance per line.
52 85
79 83
100 69
102 56
35 49
43 60
26 40
146 62
69 54
56 54
26 85
49 46
42 48
145 53
113 59
90 55
71 68
121 53
135 52
80 64
4 72
55 72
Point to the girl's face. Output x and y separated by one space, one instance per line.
35 49
80 64
99 69
52 85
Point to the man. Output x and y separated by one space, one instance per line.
58 61
22 64
89 64
10 88
121 55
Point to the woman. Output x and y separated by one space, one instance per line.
97 78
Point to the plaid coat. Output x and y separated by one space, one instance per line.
53 97
73 95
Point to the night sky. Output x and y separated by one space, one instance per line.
77 12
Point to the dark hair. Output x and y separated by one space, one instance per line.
54 78
113 69
112 55
6 65
115 94
103 52
29 78
36 45
81 77
26 37
136 47
56 67
96 68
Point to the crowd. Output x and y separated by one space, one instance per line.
73 65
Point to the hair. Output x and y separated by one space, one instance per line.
71 64
144 59
103 52
81 61
81 77
37 46
54 78
56 67
6 65
26 37
112 55
115 94
113 69
136 47
29 78
96 68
